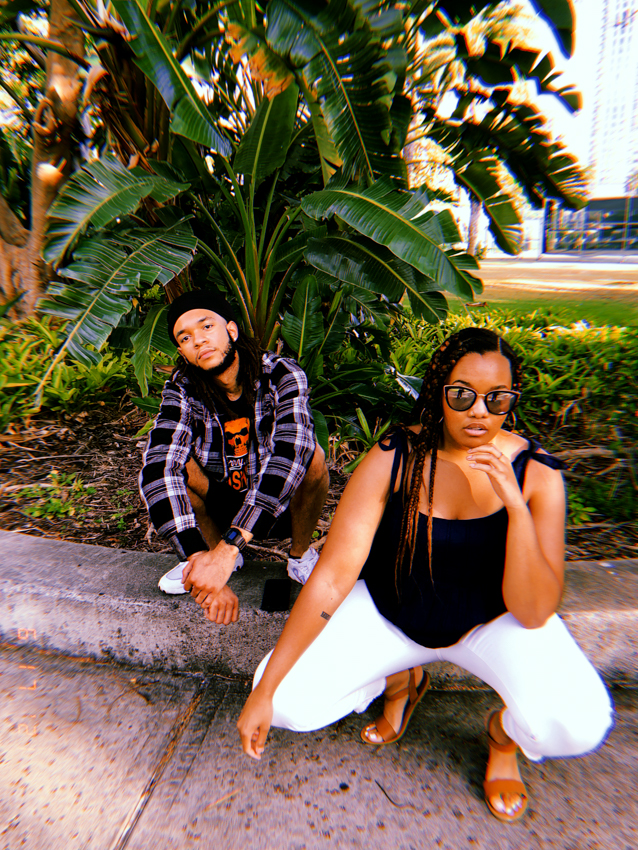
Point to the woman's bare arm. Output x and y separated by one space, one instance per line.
534 561
533 577
345 551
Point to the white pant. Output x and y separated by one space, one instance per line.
556 703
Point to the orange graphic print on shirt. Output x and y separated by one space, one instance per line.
237 435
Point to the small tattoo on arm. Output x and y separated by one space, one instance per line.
325 616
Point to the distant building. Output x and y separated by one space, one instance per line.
605 224
614 142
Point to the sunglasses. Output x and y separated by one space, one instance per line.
498 402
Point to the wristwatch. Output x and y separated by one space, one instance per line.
234 537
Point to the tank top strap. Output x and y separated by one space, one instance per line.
533 452
397 442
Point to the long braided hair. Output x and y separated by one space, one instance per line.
428 409
250 353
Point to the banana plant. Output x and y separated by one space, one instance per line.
268 141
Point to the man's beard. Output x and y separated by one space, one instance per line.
226 362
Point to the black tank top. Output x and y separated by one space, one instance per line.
468 561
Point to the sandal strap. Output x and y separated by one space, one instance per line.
412 685
493 787
502 748
511 746
410 690
384 728
398 695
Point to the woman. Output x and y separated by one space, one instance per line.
458 525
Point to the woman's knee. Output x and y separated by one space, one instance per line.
573 733
578 739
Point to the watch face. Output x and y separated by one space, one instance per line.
234 537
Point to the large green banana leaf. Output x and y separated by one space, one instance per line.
290 251
104 276
453 62
98 193
302 328
480 176
189 116
559 14
152 334
265 144
344 65
401 222
366 264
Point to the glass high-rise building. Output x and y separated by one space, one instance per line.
614 143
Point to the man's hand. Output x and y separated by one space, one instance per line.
208 572
222 609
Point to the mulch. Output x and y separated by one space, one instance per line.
74 478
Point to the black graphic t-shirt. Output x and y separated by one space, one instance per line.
237 434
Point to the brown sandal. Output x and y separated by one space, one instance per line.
492 787
383 727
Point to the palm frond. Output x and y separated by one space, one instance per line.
98 193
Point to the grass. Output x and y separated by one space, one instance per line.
564 309
596 313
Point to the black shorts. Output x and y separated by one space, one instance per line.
223 503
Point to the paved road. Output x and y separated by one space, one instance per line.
568 281
107 757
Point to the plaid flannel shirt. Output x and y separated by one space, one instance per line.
276 465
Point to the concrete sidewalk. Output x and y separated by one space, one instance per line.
90 600
100 756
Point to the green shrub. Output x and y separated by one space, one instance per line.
27 348
573 377
579 384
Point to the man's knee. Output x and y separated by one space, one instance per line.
317 472
197 484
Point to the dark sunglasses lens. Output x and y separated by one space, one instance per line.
460 398
500 402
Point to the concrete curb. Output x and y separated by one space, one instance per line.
90 600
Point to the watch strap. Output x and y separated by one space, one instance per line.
234 537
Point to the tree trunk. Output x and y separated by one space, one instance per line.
21 266
472 230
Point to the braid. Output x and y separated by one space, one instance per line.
429 410
433 458
407 537
207 390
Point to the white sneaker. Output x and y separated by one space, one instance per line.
171 582
299 569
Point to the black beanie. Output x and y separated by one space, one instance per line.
198 299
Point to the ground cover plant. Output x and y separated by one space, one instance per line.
71 470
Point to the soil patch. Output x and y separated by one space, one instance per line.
75 479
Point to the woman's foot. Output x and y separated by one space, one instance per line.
504 790
399 705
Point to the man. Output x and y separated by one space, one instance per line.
232 455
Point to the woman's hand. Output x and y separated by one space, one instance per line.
491 460
254 723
